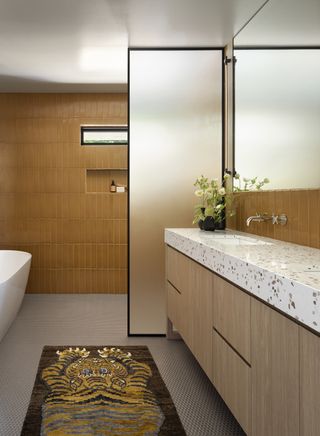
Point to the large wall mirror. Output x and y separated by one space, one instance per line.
277 95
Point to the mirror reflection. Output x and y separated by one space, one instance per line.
277 101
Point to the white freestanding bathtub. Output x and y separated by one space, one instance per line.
14 272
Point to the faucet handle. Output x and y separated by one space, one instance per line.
281 219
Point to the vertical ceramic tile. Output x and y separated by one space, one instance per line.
302 207
314 217
44 207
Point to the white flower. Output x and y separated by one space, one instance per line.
222 191
198 193
209 192
219 206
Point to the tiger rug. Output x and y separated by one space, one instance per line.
100 391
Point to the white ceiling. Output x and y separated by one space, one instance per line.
81 45
284 22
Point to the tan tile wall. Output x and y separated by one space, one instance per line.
78 239
302 207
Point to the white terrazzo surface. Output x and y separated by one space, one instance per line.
285 275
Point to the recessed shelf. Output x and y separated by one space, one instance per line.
98 180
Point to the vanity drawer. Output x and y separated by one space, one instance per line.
178 269
231 316
232 379
174 307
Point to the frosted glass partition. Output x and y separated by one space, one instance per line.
175 136
277 122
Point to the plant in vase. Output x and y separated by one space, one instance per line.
210 213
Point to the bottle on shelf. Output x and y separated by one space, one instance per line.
113 187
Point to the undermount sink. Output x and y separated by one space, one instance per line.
235 240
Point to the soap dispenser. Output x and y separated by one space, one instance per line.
113 187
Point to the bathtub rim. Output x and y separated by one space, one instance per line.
28 259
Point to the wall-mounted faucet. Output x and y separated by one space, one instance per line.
275 219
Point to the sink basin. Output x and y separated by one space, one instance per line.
234 240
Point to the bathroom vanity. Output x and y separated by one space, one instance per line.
249 310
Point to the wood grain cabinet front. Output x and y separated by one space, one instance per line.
174 309
200 316
231 315
194 283
232 379
178 269
275 372
309 383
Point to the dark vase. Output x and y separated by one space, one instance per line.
222 224
210 225
207 224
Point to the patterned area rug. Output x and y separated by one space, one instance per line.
100 391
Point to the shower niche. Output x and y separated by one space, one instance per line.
99 180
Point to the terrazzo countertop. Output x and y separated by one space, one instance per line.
285 275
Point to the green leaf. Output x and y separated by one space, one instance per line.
209 211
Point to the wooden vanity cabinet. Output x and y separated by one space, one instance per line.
265 366
196 299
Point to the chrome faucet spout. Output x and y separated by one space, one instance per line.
257 218
260 218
